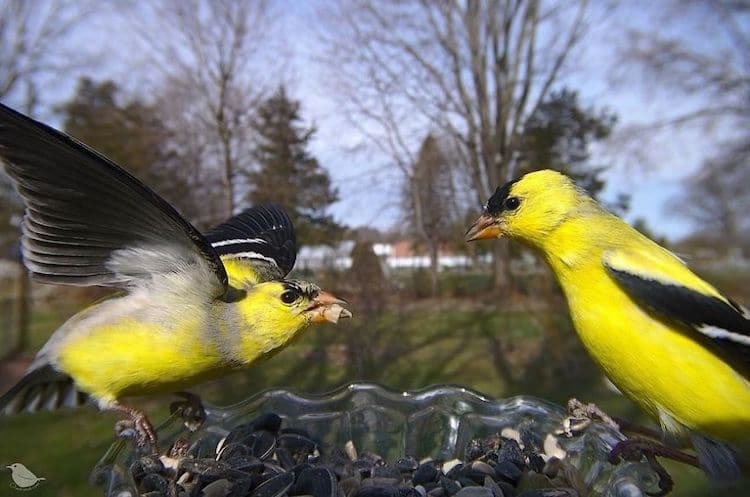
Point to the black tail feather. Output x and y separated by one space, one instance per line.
41 388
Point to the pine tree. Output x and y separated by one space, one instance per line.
288 174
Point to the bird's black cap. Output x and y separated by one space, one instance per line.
496 203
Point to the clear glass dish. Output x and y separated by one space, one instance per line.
437 422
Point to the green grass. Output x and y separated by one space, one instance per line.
497 353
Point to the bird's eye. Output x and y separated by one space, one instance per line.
289 296
512 203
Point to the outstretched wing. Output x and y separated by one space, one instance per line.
256 245
89 222
664 285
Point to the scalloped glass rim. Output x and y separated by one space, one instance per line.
437 421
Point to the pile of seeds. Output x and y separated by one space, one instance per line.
262 459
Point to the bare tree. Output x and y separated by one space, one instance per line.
717 199
32 39
471 70
205 52
708 70
430 201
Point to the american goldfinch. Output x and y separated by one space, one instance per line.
195 307
667 339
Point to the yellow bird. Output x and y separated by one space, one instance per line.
667 339
195 307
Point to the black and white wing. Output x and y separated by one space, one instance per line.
662 284
89 222
260 241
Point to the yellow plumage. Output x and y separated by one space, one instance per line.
195 306
646 319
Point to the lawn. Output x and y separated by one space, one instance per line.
498 353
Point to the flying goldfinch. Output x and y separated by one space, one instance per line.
195 307
666 338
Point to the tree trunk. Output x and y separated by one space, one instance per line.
434 269
501 277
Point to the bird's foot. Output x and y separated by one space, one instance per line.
190 410
581 415
634 449
138 429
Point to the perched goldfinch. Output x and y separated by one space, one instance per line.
666 338
195 307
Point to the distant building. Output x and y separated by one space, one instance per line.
397 255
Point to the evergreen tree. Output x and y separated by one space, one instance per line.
130 134
558 136
288 174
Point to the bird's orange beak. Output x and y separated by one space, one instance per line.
327 308
483 228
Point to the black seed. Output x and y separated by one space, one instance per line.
551 467
268 421
318 482
475 450
248 464
275 486
284 457
536 463
296 431
232 450
386 471
550 492
378 492
475 476
218 488
455 471
425 473
241 488
437 492
265 443
475 492
450 486
407 464
508 489
349 486
204 467
380 481
154 483
153 494
510 451
508 471
494 487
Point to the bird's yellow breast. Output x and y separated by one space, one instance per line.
656 363
129 357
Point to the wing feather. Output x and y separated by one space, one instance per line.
683 298
89 222
259 240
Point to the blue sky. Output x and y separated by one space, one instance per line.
368 188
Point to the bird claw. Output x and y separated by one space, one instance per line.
634 449
139 431
190 410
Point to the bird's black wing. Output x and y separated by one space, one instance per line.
714 319
89 222
261 238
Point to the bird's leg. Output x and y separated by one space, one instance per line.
666 483
190 410
630 427
633 449
138 428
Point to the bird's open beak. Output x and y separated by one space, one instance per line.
327 308
484 227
